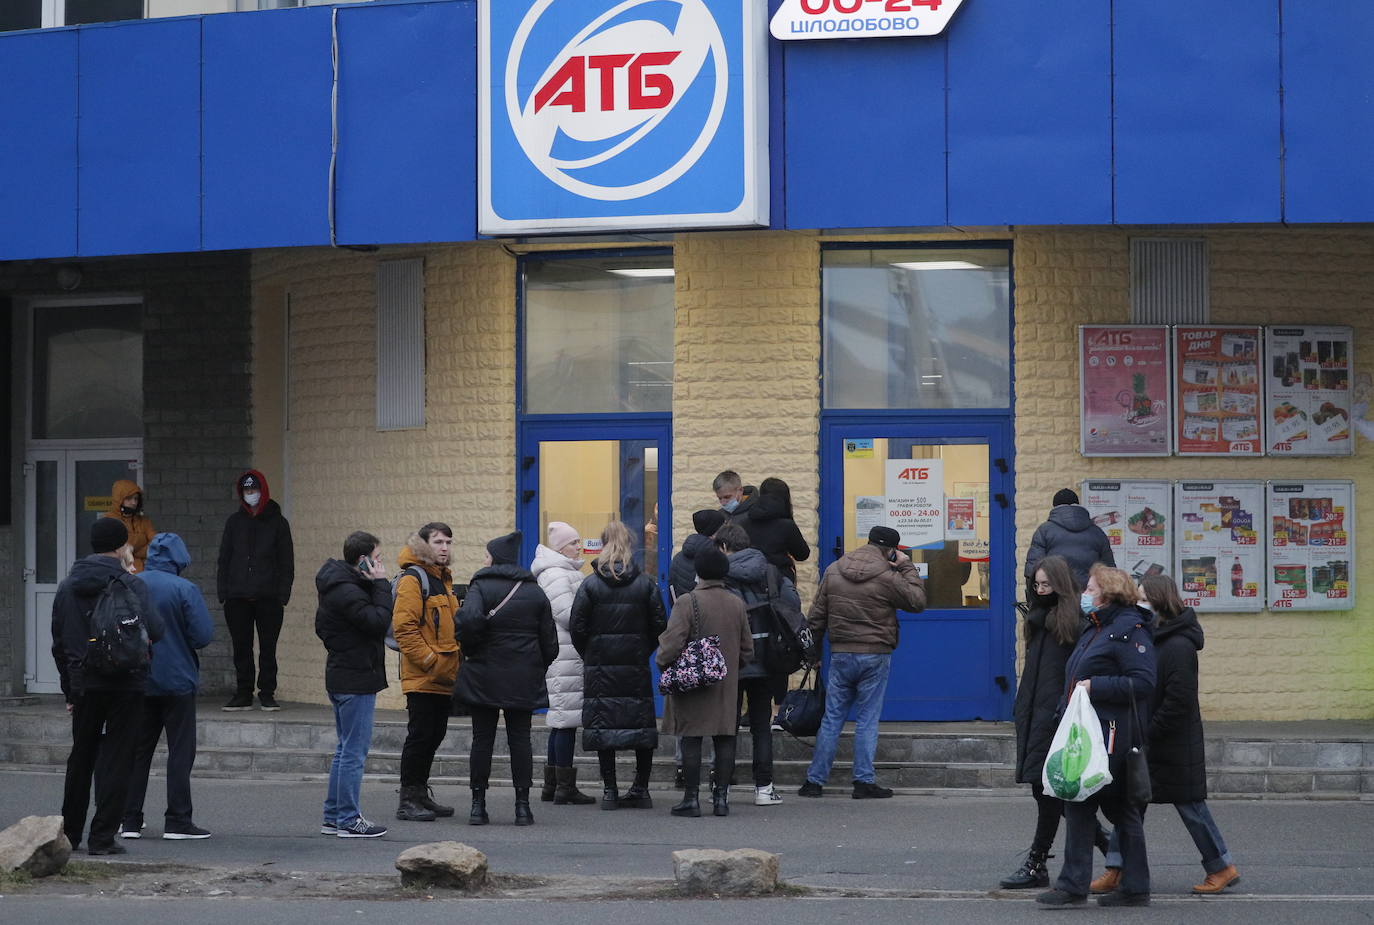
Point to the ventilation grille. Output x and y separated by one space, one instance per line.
400 344
1169 281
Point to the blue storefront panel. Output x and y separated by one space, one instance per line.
267 130
38 153
1197 112
139 136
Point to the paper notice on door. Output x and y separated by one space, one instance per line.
916 500
869 511
959 519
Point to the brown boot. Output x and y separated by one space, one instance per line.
1215 883
1108 882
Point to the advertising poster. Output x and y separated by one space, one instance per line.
1218 557
1311 547
1307 390
1137 517
1217 391
959 519
977 547
1124 381
916 500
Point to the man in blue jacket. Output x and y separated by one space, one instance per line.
170 696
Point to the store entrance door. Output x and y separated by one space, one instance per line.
955 660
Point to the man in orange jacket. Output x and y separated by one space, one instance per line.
127 508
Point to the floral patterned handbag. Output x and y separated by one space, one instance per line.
700 664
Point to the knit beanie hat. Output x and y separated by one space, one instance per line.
561 534
505 550
108 534
708 522
885 537
1065 496
712 564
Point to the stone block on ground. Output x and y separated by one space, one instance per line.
743 872
35 844
445 864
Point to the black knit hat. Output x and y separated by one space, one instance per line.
708 522
712 564
505 550
884 536
1065 496
108 534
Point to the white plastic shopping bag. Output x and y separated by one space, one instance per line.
1076 766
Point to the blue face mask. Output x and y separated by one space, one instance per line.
1085 601
729 506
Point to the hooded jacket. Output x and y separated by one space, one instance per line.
428 642
682 571
71 626
139 524
749 579
859 597
1071 533
560 577
351 621
1178 763
776 535
256 557
175 670
1037 695
506 654
615 625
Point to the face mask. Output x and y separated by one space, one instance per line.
729 506
1085 601
251 498
1145 606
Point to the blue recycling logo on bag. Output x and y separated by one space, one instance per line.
637 114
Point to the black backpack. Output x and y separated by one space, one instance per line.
784 649
119 637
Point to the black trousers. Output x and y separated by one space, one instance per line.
760 692
691 759
426 726
1048 811
644 766
484 721
243 617
104 730
1079 835
176 715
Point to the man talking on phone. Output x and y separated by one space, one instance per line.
857 605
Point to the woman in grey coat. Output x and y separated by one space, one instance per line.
711 710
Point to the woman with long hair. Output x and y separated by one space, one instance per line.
771 529
617 617
1178 764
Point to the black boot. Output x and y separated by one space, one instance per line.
411 809
567 793
478 815
610 795
523 816
637 797
690 805
1032 874
426 799
547 794
720 799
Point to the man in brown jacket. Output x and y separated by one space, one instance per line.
857 605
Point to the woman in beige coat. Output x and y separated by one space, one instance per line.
712 710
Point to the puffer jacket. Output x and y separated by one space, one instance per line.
175 670
428 641
749 579
859 597
257 559
1071 533
71 626
506 655
139 524
682 571
615 625
1178 763
1037 694
560 577
351 621
776 535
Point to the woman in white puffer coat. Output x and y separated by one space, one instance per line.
557 567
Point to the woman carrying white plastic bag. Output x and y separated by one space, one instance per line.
1114 659
1077 765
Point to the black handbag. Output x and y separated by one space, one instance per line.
803 709
1138 791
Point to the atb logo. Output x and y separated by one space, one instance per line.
607 105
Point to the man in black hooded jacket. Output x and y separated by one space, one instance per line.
1071 533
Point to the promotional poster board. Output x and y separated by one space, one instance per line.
916 500
1218 557
1137 517
1217 390
1125 387
1307 390
1311 545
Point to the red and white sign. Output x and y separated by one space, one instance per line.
916 500
850 19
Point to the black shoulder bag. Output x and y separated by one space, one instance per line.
1137 791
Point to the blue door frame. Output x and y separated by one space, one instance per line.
949 664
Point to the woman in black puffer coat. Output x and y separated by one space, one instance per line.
771 529
616 620
509 640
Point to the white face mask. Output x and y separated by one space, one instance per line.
251 498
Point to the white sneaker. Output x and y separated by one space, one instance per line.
130 833
766 796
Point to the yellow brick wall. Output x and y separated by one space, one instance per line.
1267 666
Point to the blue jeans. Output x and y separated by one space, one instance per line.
353 725
1197 819
860 681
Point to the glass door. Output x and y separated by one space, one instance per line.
946 488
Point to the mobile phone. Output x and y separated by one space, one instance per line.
365 565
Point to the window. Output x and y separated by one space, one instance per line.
82 11
20 14
598 334
87 371
913 328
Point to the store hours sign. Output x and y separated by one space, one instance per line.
849 19
621 114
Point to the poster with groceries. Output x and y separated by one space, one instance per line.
1308 389
1137 517
1124 379
1218 551
1311 547
1218 390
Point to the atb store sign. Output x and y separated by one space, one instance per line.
621 114
849 19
